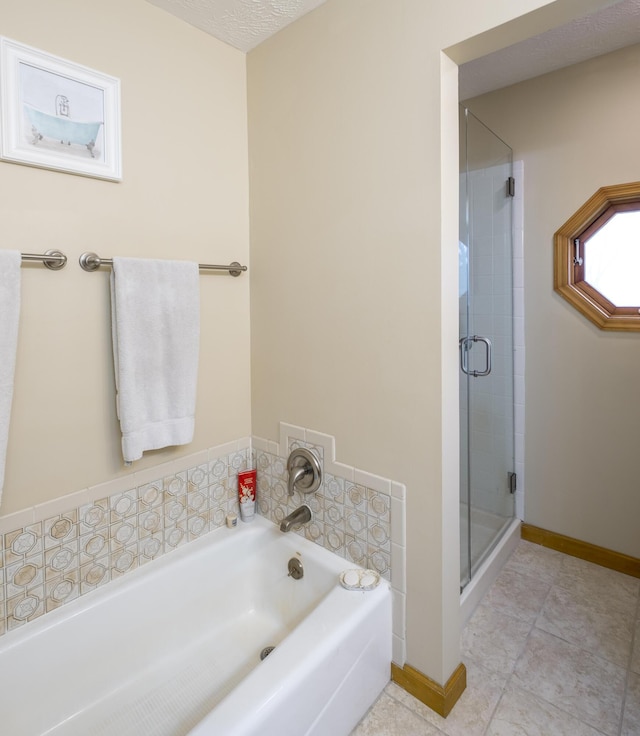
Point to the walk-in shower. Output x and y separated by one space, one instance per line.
485 248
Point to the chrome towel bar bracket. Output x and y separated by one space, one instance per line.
52 259
92 262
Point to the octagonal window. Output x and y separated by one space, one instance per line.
597 258
612 256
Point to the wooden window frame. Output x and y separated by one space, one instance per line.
568 277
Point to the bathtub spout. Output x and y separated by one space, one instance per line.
296 518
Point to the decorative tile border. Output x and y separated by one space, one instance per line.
357 515
74 545
52 553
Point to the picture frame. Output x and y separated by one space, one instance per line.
56 114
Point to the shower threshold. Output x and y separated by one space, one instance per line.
486 531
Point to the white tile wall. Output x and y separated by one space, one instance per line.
491 316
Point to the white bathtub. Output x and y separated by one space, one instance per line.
174 647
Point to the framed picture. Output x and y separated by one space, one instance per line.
58 115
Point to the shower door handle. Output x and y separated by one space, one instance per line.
465 347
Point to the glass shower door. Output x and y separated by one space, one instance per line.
487 462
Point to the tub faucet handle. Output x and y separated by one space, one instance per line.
296 475
305 473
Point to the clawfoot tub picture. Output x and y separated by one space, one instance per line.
57 114
61 114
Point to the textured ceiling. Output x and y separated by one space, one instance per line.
244 24
593 35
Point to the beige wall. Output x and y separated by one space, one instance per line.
184 195
354 230
353 141
575 131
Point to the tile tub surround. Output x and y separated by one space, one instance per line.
57 551
357 515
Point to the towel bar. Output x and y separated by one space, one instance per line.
91 262
53 259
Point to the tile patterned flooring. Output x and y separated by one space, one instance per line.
552 650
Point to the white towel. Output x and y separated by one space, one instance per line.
155 317
9 317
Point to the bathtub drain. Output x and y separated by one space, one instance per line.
266 652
